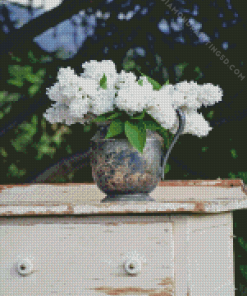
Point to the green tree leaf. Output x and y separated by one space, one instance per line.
136 134
167 168
31 57
33 89
15 81
33 78
114 115
234 153
116 128
103 82
242 243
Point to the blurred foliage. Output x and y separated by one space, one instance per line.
29 145
34 139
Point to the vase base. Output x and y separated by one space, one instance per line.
128 197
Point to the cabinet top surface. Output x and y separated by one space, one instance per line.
192 196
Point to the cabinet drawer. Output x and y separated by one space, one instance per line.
124 255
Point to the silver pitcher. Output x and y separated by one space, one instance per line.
122 172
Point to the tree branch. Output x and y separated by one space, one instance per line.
42 23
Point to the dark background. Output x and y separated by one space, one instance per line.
35 43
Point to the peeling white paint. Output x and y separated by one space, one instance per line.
177 252
35 209
124 207
68 259
86 199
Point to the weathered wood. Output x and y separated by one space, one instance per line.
211 267
85 256
183 248
203 254
197 196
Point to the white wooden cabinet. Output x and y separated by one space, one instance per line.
61 240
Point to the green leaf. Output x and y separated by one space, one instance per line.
41 73
116 128
151 125
231 175
155 126
32 57
167 82
87 128
114 115
32 78
141 116
167 168
140 82
33 89
197 69
155 84
68 149
3 152
210 114
242 243
17 59
129 65
243 269
103 82
100 118
13 171
136 134
234 153
16 82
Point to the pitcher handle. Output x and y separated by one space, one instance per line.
165 157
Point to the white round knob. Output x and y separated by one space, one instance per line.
132 266
24 266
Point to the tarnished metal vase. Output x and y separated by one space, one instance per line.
124 173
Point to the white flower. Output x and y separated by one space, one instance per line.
61 113
57 113
96 70
79 107
125 79
185 94
195 124
65 76
167 90
210 94
54 92
134 98
70 85
145 82
103 102
72 90
75 87
80 98
89 86
160 107
64 91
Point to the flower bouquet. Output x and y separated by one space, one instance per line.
130 107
